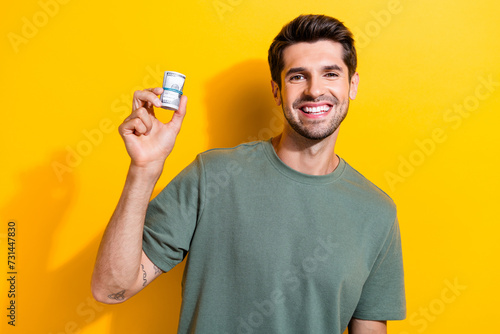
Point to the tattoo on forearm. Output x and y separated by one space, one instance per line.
117 296
144 275
157 270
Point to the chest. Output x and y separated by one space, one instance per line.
289 238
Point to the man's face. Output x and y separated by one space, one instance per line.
315 88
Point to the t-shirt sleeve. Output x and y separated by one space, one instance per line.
383 294
171 217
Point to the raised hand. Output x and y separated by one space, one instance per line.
148 140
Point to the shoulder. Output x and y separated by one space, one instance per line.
217 161
367 192
239 155
240 149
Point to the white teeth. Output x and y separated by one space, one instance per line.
316 110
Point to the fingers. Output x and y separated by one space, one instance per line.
139 123
156 90
147 98
133 126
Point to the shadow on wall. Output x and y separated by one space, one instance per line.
241 108
240 105
45 296
56 301
38 210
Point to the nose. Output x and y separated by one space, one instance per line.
315 87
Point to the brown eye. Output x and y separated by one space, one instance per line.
296 77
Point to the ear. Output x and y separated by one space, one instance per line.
353 89
276 93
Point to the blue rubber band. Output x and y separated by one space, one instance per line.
173 90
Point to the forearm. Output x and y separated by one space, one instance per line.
358 326
118 263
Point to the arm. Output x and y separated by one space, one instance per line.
358 326
122 268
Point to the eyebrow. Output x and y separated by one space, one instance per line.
303 69
333 68
294 70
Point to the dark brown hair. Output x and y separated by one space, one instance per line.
311 28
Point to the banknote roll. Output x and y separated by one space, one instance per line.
173 83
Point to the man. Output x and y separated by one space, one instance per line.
283 235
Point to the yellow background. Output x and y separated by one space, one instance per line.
67 82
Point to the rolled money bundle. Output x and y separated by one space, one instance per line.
173 83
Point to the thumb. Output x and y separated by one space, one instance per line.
179 114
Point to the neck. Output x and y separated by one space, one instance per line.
313 157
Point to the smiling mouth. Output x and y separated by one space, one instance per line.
316 110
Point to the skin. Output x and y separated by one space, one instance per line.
122 268
314 75
357 326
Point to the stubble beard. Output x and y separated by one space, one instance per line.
316 129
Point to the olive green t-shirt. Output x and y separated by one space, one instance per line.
273 250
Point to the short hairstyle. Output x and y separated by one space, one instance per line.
311 28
